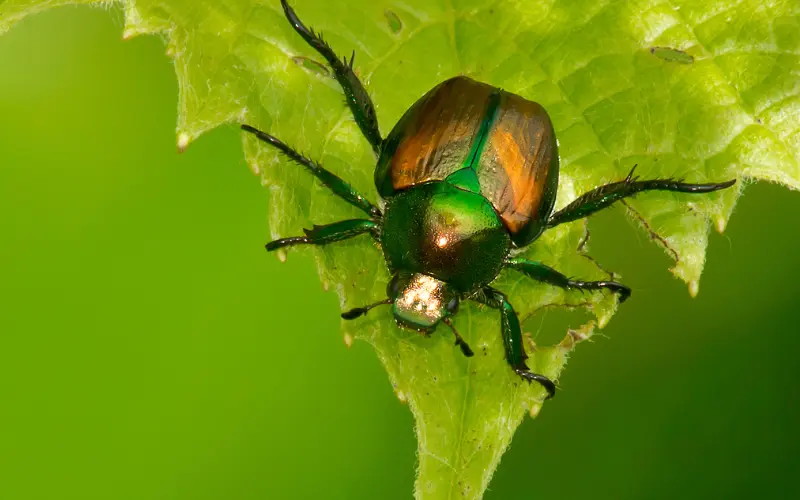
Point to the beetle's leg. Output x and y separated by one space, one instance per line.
333 182
356 95
329 233
599 198
460 342
546 274
512 337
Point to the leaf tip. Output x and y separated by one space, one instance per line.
348 340
720 224
129 33
694 288
281 255
183 141
401 396
576 335
254 167
535 409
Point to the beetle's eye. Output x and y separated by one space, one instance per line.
452 306
393 288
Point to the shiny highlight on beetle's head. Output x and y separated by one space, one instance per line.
420 301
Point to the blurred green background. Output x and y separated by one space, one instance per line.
151 349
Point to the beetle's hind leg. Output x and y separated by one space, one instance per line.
332 181
546 274
329 233
603 196
512 337
356 95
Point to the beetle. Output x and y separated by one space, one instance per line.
468 174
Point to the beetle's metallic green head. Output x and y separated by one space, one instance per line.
420 301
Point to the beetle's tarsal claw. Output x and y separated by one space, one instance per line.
630 175
618 288
545 382
460 342
465 348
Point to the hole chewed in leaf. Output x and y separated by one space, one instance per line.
546 326
653 235
672 55
395 24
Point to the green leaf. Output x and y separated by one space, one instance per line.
704 90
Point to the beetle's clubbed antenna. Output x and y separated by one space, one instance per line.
360 311
459 339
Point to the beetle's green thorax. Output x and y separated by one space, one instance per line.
446 232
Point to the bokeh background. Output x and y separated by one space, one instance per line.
151 349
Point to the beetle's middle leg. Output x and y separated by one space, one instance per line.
329 233
332 181
356 95
603 196
512 337
547 274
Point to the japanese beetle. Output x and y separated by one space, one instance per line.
469 173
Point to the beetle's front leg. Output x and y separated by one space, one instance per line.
329 233
546 274
329 179
512 337
356 95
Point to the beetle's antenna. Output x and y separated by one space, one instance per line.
360 311
459 340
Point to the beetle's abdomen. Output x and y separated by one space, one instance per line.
446 232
